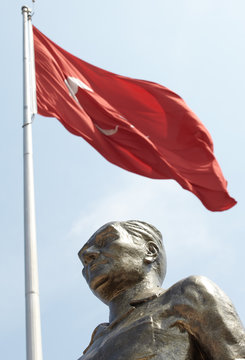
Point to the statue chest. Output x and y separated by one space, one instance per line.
146 333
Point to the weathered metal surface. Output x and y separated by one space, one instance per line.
124 266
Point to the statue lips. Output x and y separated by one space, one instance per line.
94 264
94 277
101 281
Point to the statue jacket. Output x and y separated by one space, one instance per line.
192 320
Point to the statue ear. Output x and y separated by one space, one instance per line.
152 252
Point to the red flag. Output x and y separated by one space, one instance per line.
141 126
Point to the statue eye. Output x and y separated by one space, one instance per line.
101 243
105 239
111 238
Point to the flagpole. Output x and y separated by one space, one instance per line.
33 322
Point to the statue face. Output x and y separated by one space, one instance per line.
112 261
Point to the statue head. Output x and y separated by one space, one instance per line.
121 255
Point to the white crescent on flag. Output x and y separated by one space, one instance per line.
108 132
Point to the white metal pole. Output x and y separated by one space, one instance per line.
33 323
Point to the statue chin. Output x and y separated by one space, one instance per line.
101 288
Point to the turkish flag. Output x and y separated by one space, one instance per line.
141 126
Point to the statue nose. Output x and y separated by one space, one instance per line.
90 254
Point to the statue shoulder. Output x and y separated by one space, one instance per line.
207 313
200 283
95 333
197 289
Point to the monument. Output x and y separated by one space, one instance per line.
124 266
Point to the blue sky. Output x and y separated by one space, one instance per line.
197 49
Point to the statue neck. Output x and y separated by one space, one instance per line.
121 304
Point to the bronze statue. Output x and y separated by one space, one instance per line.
124 266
